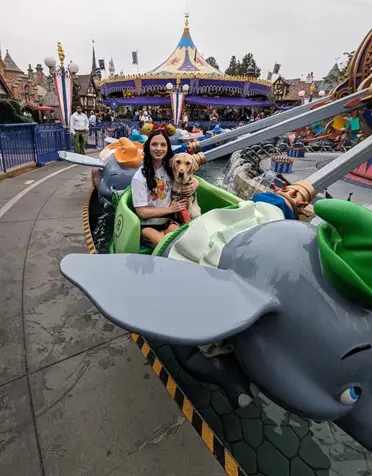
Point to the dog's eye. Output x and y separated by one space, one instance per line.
178 161
188 163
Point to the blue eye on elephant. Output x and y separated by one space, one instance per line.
351 396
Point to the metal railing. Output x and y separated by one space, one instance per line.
25 143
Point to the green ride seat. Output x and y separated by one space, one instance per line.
127 228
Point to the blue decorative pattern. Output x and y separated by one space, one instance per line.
186 40
187 65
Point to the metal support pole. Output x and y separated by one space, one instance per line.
63 77
259 125
294 123
341 166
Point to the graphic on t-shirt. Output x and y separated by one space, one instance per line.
159 192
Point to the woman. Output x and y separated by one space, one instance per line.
152 190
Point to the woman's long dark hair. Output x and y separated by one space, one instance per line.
148 168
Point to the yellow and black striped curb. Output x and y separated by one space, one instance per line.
212 442
86 226
222 455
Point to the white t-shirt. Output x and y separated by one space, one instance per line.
158 198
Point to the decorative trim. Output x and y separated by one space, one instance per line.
225 77
212 442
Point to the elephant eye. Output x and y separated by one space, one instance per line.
351 395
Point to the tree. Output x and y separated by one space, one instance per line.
232 69
10 113
213 62
243 67
349 57
75 92
247 64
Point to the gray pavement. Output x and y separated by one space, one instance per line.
76 396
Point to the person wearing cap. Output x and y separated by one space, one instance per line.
137 137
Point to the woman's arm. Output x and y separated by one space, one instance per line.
147 212
190 188
140 203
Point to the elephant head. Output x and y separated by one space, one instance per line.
295 334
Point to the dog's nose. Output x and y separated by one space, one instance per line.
181 173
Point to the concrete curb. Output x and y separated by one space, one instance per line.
18 170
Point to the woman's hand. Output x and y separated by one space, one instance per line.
178 205
190 188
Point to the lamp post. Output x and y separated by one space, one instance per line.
177 95
63 82
302 96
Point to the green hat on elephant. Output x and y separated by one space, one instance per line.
345 245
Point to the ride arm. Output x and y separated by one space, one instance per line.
340 106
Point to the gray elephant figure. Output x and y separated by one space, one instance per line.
294 300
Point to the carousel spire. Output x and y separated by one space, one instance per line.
94 62
187 16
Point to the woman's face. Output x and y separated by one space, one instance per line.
158 148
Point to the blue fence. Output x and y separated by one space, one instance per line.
96 135
24 143
40 143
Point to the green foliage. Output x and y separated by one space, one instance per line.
232 69
16 106
245 67
10 113
248 64
213 62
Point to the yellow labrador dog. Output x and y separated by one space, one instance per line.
183 166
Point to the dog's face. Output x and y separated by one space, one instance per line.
183 167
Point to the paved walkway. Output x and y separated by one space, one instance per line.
76 396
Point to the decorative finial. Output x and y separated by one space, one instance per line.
61 53
187 16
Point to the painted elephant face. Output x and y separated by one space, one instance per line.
313 356
114 174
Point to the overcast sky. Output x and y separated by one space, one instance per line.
301 35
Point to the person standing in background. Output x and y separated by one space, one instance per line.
79 125
92 119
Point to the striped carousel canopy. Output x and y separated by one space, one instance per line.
186 59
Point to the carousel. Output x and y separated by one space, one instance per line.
185 78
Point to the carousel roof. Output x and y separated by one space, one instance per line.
186 59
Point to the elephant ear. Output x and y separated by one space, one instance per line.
111 140
168 300
80 159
